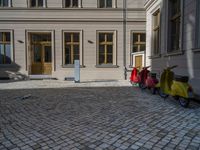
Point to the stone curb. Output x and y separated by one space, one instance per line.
37 84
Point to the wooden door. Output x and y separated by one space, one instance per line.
41 57
138 61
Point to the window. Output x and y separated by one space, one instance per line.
138 42
197 24
71 47
105 3
37 3
105 48
71 3
156 33
174 25
5 3
5 48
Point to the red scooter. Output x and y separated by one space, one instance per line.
143 77
135 78
148 80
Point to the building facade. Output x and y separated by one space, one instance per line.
42 38
173 37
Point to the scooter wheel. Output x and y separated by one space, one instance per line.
153 90
176 97
162 94
142 86
184 102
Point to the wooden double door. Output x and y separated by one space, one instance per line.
40 53
41 59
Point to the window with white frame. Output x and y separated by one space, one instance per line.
5 47
156 33
106 48
105 3
71 3
138 42
5 3
197 45
37 3
72 44
174 38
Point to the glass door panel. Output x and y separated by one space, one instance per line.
47 54
8 54
47 58
37 53
1 54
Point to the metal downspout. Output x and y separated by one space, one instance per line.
124 37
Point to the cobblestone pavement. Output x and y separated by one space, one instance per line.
109 118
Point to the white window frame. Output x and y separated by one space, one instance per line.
11 46
44 4
114 48
79 4
114 4
133 55
9 4
197 33
131 42
80 44
168 47
28 53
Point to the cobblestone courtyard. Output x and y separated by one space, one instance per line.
95 118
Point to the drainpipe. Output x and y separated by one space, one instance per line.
124 37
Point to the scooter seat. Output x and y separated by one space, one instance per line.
153 75
181 78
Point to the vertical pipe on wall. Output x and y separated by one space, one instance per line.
197 28
124 37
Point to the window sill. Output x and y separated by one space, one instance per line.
72 7
179 52
196 49
72 66
106 7
37 7
8 65
3 7
106 66
155 56
140 52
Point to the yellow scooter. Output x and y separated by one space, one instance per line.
176 86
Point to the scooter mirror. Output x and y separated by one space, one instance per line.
172 67
146 67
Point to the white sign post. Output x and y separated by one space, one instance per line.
77 71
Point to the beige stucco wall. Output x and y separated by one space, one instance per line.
85 3
88 20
